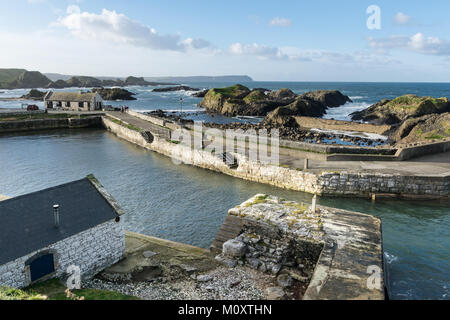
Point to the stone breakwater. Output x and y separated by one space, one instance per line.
337 254
45 124
342 183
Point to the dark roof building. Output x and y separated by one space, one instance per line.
86 219
77 101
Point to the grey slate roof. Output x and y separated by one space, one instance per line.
27 222
70 96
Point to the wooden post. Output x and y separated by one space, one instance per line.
306 164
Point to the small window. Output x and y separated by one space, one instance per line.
42 266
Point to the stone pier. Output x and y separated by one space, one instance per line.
337 253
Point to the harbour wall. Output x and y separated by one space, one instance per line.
50 123
343 183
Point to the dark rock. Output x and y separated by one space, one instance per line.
274 293
114 94
234 248
328 98
200 94
239 100
285 280
34 95
402 108
177 88
231 263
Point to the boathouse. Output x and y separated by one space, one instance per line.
44 233
74 101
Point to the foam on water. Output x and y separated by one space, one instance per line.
343 112
364 135
390 258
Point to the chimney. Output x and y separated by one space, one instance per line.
56 214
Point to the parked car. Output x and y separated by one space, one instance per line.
32 107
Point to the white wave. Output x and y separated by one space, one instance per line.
343 112
390 257
364 135
357 97
247 117
184 110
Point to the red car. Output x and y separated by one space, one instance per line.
32 107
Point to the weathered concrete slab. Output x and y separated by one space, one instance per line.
350 265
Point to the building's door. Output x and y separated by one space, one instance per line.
41 267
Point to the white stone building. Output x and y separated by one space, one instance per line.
74 101
44 233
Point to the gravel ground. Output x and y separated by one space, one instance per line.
240 283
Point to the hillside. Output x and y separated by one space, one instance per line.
20 78
24 79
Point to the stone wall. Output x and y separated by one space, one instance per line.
44 124
92 250
321 183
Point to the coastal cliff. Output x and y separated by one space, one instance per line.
24 79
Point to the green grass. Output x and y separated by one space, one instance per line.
413 102
229 92
255 96
55 290
16 294
123 124
9 75
258 200
434 136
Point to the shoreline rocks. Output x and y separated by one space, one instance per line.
114 94
176 88
401 108
239 100
34 95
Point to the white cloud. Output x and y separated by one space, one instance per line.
261 51
73 9
418 43
114 27
295 54
280 22
402 19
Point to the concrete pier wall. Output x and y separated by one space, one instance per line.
321 183
45 124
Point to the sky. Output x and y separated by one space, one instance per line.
284 40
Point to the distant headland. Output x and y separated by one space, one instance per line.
24 79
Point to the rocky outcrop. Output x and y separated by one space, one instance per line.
114 94
200 94
283 116
239 100
177 88
328 98
402 108
84 82
34 95
426 128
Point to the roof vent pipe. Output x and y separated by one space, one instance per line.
56 214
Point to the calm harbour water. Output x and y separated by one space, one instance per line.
188 204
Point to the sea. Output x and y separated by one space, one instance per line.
187 204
